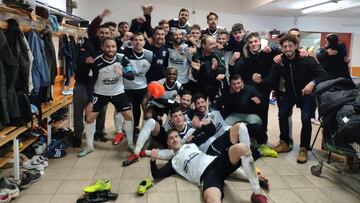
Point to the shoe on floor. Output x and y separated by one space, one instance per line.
33 164
85 151
144 186
77 143
302 157
131 159
29 177
100 136
101 196
118 137
282 147
264 183
9 187
258 198
4 197
267 151
99 185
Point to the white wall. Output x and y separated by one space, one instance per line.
229 13
60 4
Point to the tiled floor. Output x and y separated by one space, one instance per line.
290 182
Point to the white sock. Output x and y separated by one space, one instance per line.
129 130
118 121
148 152
165 154
239 174
90 131
149 125
247 162
244 135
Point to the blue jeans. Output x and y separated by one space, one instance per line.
305 103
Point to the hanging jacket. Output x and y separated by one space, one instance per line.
14 37
50 53
11 69
4 115
65 53
74 53
40 70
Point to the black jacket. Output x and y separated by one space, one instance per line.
11 69
50 54
206 76
15 39
297 73
90 47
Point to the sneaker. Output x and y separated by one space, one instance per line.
99 185
144 186
131 159
282 147
118 137
38 159
77 143
100 136
31 164
4 197
142 153
85 151
29 177
264 183
258 198
302 158
101 196
267 151
9 188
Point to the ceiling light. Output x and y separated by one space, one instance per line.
306 4
329 6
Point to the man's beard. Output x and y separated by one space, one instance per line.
109 55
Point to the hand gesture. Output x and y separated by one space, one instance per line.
267 49
256 100
277 59
256 77
331 52
195 65
106 12
215 64
303 53
308 89
118 70
236 55
189 138
89 60
154 153
196 122
220 77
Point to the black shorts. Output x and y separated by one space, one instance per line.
220 145
120 102
161 137
217 172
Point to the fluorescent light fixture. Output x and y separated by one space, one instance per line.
307 4
329 6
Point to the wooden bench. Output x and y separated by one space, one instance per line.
12 132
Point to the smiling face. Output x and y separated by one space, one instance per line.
109 48
254 44
201 105
174 140
288 49
195 33
171 75
123 28
210 45
159 37
104 33
138 42
212 22
236 85
177 118
222 39
185 101
177 37
238 35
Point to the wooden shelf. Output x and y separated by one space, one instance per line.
10 155
4 8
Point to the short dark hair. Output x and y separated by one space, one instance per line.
104 26
211 14
333 39
110 24
136 34
237 27
106 39
171 68
253 34
157 28
195 26
123 23
288 37
185 92
183 10
204 39
174 110
198 96
162 22
294 29
171 130
234 77
223 31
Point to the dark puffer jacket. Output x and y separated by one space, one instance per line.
11 69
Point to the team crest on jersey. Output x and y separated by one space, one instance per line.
164 53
